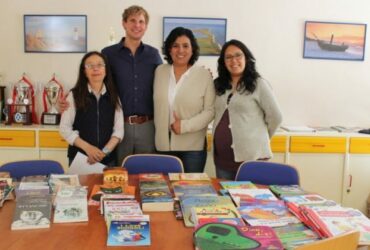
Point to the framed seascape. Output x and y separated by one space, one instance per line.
336 41
209 32
55 33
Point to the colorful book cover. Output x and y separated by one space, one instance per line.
272 214
115 175
99 190
251 194
194 190
295 234
227 236
129 233
232 221
188 202
287 190
32 212
237 184
216 211
306 199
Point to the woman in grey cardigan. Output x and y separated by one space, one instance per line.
246 111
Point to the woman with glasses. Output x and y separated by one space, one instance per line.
246 111
93 122
183 101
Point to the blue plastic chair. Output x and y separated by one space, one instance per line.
152 163
267 173
18 169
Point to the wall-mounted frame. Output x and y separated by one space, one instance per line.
55 33
209 32
336 41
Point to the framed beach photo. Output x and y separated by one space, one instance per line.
55 33
209 32
336 41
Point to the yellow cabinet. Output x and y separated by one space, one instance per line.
278 143
317 144
359 145
51 139
17 138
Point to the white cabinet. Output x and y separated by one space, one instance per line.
357 186
320 162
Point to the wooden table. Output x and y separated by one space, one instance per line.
166 231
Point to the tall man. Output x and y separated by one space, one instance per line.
133 64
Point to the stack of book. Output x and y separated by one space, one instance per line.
33 185
155 193
58 180
71 204
126 223
287 190
235 185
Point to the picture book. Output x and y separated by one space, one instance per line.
194 190
99 190
227 210
71 204
188 202
32 212
334 220
272 214
239 195
115 208
115 197
287 190
151 176
58 180
130 232
294 235
305 199
188 177
228 236
237 184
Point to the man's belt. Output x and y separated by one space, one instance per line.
138 119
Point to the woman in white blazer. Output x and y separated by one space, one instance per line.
183 101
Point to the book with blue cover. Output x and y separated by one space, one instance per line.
130 232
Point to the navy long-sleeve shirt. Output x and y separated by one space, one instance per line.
134 75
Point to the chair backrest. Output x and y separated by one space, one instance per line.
346 241
18 169
152 163
267 173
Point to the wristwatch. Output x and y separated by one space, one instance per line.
106 151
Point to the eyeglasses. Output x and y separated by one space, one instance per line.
95 66
237 56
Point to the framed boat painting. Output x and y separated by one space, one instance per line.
209 32
55 33
336 41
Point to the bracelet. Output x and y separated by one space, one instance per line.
106 151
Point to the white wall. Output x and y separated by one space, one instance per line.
310 91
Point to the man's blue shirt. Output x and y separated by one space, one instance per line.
134 76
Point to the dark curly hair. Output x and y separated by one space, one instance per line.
171 38
247 81
80 90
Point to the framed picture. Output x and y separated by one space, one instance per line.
209 32
337 41
55 33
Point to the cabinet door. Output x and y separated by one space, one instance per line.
357 188
18 154
279 148
320 161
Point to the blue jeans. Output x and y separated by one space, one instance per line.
225 174
193 161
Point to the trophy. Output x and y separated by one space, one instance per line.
21 107
52 92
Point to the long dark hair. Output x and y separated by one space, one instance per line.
248 79
171 38
80 90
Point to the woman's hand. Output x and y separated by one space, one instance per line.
94 154
176 125
63 104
